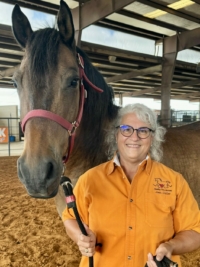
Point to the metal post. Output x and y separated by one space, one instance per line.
8 137
169 61
199 110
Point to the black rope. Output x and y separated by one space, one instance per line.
68 190
165 262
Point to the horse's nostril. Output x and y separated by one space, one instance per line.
50 170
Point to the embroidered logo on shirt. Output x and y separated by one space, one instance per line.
162 187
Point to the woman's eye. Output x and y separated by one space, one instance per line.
74 83
143 131
127 130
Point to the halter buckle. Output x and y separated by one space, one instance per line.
74 127
80 61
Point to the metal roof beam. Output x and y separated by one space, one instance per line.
185 96
129 29
134 73
186 39
41 6
145 91
11 47
96 10
105 50
157 88
8 72
162 24
11 56
169 10
196 1
5 85
6 40
91 11
194 100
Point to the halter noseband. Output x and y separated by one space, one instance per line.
70 127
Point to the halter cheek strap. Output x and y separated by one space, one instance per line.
70 127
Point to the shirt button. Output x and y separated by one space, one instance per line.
129 257
131 200
130 228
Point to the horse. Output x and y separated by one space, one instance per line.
181 152
57 84
48 83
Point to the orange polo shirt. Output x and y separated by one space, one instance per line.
131 220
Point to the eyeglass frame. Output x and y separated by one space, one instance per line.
150 130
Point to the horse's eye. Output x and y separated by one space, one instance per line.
74 83
14 83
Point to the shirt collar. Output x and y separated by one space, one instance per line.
146 163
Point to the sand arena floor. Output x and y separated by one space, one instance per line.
31 232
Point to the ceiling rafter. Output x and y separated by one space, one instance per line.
176 85
97 10
134 73
37 5
185 96
162 24
128 65
169 10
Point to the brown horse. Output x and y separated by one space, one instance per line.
49 80
181 152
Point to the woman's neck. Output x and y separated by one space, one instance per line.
130 168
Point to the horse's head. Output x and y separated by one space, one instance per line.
48 79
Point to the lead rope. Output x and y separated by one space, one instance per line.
165 262
70 199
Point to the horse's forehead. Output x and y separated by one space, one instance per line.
67 57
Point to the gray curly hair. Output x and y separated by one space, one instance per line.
146 115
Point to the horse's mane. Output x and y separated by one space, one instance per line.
42 50
98 117
99 108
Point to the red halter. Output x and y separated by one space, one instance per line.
70 127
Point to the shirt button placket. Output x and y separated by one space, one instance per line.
130 228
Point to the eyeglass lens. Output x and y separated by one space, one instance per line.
127 131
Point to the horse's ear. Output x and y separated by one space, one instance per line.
21 26
65 23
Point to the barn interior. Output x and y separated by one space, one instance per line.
156 55
144 49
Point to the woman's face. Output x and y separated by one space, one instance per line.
133 149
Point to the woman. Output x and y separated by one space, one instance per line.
134 205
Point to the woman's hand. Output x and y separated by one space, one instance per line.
86 244
165 249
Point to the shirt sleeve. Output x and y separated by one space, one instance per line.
186 214
81 202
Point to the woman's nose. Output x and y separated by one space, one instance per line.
134 135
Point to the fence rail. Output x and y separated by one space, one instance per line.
11 137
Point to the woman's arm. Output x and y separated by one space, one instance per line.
183 242
87 243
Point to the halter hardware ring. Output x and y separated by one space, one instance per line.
73 128
64 168
80 61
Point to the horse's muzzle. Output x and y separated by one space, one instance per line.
40 182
